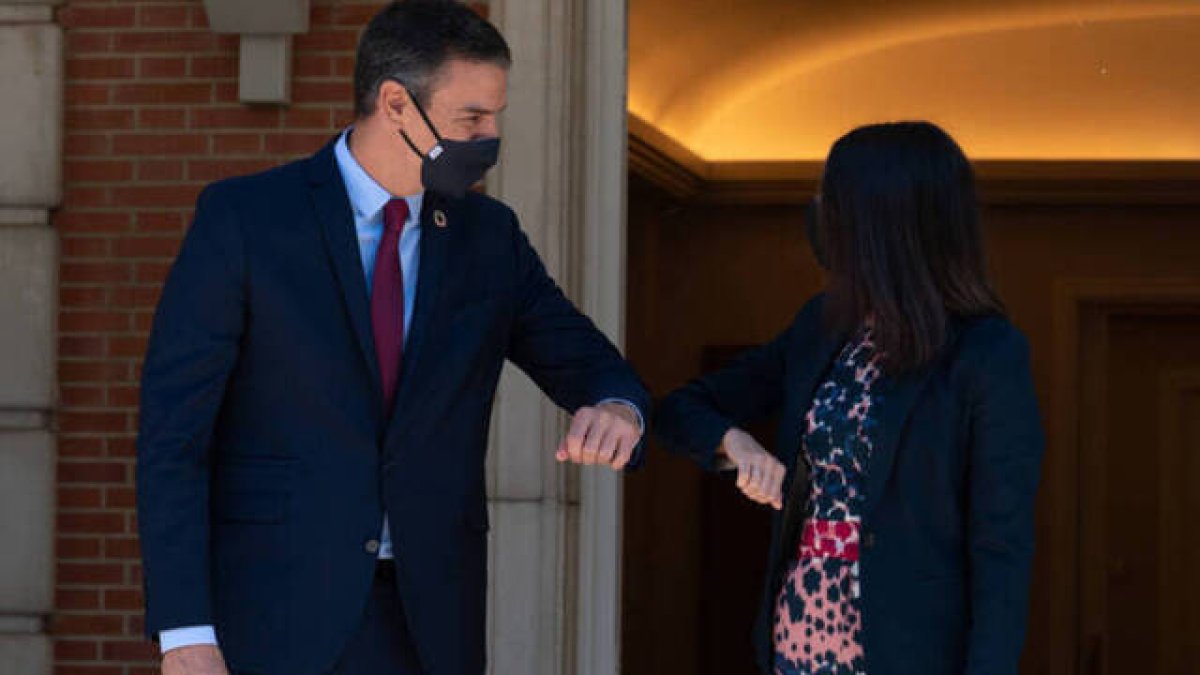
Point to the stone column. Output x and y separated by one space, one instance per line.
30 185
555 546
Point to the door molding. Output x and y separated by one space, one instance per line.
1072 468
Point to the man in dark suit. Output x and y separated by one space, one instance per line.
319 381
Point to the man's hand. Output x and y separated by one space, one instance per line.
760 474
605 434
194 660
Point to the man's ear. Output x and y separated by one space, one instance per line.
392 101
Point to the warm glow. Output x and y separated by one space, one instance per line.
1046 80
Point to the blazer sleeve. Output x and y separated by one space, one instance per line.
193 348
562 350
694 419
1005 465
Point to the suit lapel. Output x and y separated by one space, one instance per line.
436 232
341 244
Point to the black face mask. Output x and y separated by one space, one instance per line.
452 167
812 225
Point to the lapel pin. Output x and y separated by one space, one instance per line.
439 218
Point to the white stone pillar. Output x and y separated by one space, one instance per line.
31 67
555 546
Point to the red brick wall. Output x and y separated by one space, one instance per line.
151 116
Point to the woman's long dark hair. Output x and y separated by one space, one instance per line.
899 219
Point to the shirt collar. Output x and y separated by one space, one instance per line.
368 197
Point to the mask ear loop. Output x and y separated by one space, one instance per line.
437 148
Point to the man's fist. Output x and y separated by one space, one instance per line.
606 434
194 660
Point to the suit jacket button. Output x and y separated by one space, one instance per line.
372 546
868 539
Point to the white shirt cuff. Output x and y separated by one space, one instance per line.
189 636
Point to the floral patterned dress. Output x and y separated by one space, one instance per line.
818 620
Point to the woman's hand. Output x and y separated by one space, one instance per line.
760 474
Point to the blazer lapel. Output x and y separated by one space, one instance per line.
895 399
341 244
814 361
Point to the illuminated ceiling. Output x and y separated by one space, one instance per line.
762 80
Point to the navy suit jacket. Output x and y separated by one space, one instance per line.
265 457
947 532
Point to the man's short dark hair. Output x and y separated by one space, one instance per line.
409 40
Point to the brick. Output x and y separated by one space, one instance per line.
343 66
76 599
326 40
81 345
81 16
167 42
123 396
122 599
86 196
79 145
80 447
81 297
90 523
151 272
160 170
66 669
355 16
162 93
132 297
119 498
70 497
80 43
159 144
164 17
296 144
94 272
75 95
75 247
93 472
211 170
83 171
73 547
163 67
104 422
91 222
77 625
237 144
154 247
85 119
164 221
80 396
322 92
214 67
121 447
151 195
257 117
162 118
76 650
127 347
130 650
312 66
88 321
93 371
307 118
99 69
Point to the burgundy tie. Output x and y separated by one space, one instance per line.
387 299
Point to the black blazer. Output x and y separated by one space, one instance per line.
948 523
265 458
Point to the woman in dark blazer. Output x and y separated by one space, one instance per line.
910 447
